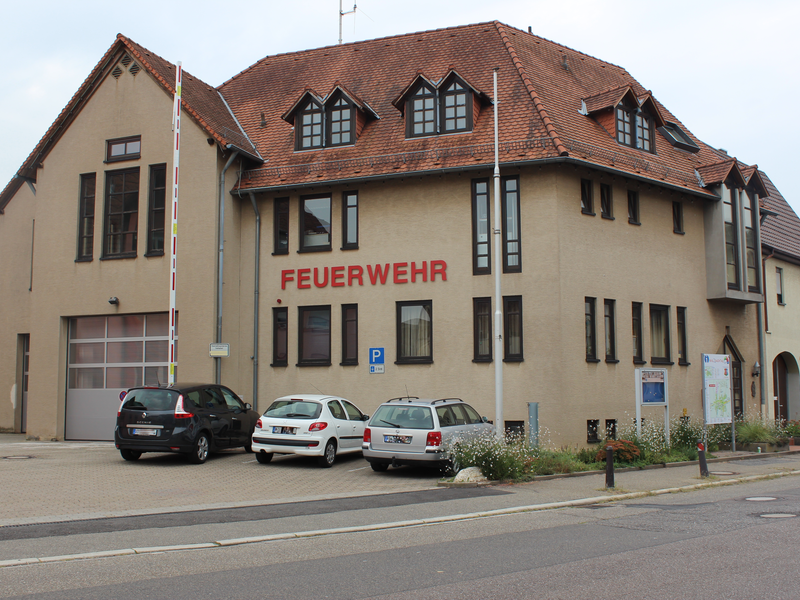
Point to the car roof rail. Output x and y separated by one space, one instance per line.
400 399
447 400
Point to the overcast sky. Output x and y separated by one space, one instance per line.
725 68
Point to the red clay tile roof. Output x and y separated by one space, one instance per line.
541 86
719 172
781 232
608 99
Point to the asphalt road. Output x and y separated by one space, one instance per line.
710 543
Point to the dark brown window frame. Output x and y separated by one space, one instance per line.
86 213
107 216
330 107
634 208
280 336
312 362
443 93
750 209
505 197
128 155
280 207
478 198
677 217
481 309
606 201
410 111
587 197
732 205
302 212
346 229
409 360
311 107
152 211
661 360
349 355
683 340
590 328
779 286
508 356
636 331
610 329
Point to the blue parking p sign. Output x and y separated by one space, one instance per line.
376 358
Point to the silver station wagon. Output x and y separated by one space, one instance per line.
411 431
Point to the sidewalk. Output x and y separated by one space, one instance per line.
61 481
77 483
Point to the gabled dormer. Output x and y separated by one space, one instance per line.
732 235
450 105
632 120
330 121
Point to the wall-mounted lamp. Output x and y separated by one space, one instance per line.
113 300
756 369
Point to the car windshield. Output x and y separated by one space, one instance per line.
402 417
294 409
150 399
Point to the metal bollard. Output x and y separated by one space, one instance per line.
609 467
701 451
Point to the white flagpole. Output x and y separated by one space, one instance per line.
498 295
176 127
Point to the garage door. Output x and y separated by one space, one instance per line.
107 355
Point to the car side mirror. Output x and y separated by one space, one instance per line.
247 406
484 419
365 417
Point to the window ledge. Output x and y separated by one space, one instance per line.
683 363
155 253
662 361
634 222
513 360
612 360
639 361
679 232
349 248
109 161
425 361
279 364
313 364
608 217
119 256
348 364
85 259
320 249
282 253
592 360
781 303
590 214
482 360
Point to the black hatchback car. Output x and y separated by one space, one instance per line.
191 418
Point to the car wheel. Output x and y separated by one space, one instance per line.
248 448
199 453
130 454
263 457
451 468
326 460
379 467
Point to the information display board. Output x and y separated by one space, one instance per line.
717 392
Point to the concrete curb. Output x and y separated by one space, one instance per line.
396 524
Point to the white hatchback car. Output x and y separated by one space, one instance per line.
309 425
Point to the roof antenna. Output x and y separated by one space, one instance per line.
341 14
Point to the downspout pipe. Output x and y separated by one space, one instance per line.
763 324
255 300
221 236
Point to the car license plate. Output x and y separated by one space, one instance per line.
397 439
285 430
152 432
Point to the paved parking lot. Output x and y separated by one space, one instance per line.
47 481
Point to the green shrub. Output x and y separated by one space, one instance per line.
754 431
497 459
552 462
792 429
586 455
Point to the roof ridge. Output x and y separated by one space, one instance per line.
537 102
331 46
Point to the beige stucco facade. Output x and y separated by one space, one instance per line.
782 338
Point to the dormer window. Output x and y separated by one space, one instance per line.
630 119
421 112
341 121
309 132
431 108
644 132
456 113
625 117
330 121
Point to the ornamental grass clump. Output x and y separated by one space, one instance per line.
756 430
